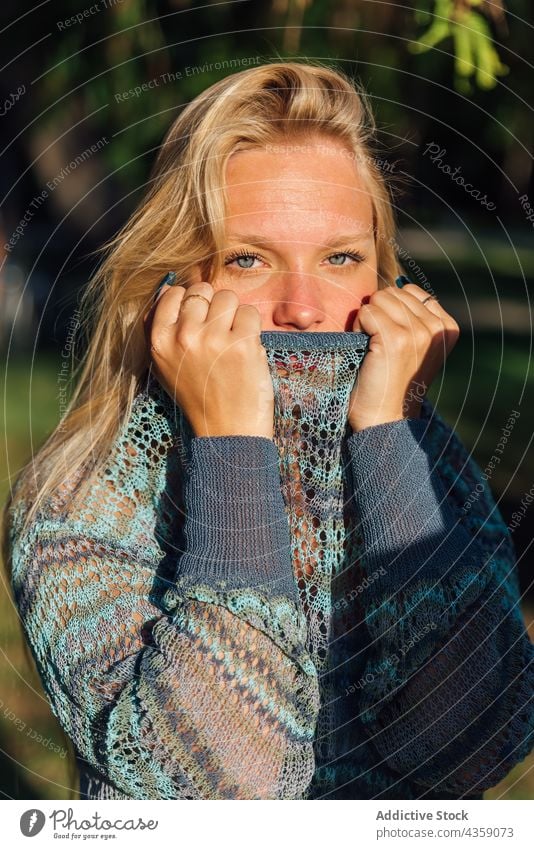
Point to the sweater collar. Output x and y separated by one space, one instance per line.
313 375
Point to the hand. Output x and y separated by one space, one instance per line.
409 343
208 356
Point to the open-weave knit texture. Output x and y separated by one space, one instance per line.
312 390
313 616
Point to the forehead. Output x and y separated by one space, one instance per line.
296 186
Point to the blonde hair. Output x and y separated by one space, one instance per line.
179 224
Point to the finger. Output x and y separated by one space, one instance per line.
148 317
379 308
166 311
405 305
154 298
195 305
223 308
431 313
432 305
372 319
247 320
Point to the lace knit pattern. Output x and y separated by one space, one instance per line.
312 616
312 390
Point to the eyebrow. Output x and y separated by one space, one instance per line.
335 241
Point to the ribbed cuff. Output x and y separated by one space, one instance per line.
407 524
236 527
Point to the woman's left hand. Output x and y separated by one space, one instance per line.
409 344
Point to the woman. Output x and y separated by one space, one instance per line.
243 572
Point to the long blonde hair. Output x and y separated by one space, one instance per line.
178 224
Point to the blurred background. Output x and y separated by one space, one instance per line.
89 88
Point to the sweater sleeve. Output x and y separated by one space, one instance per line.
201 688
447 695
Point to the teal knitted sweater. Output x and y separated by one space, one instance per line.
313 616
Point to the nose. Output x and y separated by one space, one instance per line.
298 304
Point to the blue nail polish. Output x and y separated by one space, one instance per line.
402 281
167 280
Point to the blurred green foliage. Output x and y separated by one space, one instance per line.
80 68
475 53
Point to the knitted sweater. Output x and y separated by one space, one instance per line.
313 616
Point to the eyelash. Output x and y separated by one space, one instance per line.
353 254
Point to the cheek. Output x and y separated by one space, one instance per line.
258 293
344 301
350 292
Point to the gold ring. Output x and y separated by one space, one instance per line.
429 298
189 297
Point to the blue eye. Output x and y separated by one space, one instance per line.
356 256
243 255
248 261
338 256
245 259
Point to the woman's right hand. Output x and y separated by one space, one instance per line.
208 356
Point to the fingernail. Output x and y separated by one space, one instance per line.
168 279
402 281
